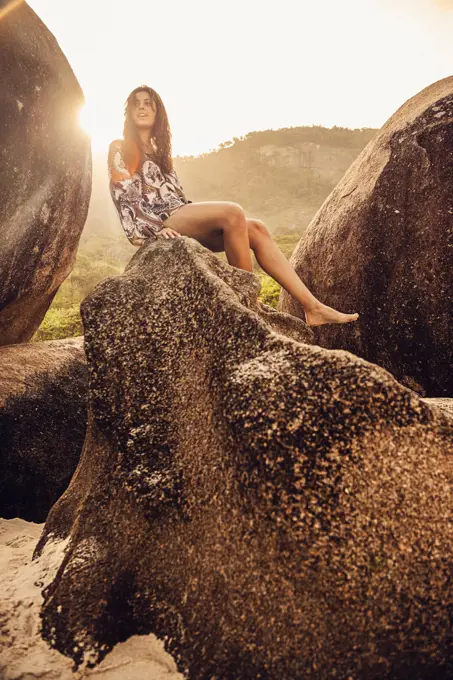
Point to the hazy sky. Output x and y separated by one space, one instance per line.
225 68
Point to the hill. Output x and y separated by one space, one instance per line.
280 176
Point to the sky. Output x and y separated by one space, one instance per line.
226 68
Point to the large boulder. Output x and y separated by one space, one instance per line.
269 508
382 245
45 179
43 418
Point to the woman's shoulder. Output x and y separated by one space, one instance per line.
116 154
116 145
116 162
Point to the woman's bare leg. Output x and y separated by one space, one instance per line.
220 226
223 226
273 261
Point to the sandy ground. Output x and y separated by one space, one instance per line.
23 653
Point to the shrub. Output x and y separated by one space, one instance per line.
60 323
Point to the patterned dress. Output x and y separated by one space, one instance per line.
146 198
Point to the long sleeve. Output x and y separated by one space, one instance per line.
137 219
172 177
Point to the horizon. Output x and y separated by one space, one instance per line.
231 142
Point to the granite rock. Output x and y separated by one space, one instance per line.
43 417
269 508
382 245
45 179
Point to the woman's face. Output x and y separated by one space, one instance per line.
144 111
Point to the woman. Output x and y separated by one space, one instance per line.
151 204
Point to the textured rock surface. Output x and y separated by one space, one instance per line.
445 405
43 416
45 179
382 245
270 508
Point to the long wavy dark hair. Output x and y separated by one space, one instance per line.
133 153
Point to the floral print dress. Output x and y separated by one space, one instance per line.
144 199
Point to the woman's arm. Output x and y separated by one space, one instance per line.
172 177
137 220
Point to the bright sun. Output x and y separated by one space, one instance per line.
100 132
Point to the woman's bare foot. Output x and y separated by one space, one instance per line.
322 314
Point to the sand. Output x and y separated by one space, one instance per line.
23 653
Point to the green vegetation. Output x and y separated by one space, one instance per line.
270 290
98 259
279 176
60 322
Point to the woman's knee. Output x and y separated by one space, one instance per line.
233 217
257 231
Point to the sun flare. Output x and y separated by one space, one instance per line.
101 132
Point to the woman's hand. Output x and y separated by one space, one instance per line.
167 232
